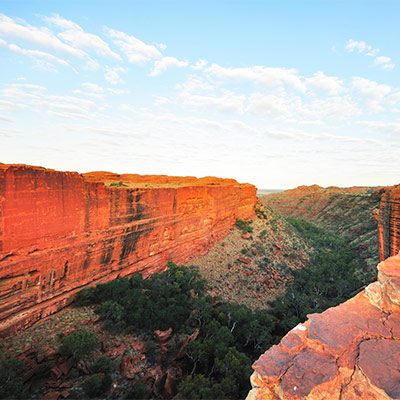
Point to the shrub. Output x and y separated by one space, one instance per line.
10 388
103 364
118 184
139 391
77 344
244 226
96 385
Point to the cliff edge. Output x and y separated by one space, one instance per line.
62 231
348 352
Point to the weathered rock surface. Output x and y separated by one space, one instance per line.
388 217
348 352
62 231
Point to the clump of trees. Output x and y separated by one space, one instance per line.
218 363
333 276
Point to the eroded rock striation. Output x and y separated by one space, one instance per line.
348 352
62 231
388 217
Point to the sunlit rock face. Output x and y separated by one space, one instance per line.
348 352
388 217
62 231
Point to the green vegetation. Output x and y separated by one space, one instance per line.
230 337
332 277
10 387
118 184
244 226
77 344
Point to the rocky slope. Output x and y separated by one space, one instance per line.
345 353
61 231
344 211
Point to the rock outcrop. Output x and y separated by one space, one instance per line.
388 217
62 231
348 352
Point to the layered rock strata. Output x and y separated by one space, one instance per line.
388 217
62 231
348 352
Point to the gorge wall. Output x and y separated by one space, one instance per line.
343 211
388 217
62 231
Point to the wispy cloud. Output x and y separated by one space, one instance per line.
361 47
112 75
40 37
77 38
162 65
136 51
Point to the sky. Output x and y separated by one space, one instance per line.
276 93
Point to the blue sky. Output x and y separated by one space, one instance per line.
276 93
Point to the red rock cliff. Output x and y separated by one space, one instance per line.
388 217
348 352
62 231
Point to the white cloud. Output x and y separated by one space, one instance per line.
37 55
118 91
78 38
40 37
392 127
136 51
382 61
93 87
373 92
272 77
353 45
329 84
161 46
112 75
161 66
200 64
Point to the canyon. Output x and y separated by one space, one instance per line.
350 351
63 231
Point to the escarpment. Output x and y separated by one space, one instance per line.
62 231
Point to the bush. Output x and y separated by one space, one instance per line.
244 226
139 391
10 387
103 364
77 344
96 385
118 184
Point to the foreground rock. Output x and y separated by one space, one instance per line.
62 231
348 352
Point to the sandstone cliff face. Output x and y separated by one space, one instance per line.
61 231
348 352
388 217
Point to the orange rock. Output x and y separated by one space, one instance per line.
349 352
61 231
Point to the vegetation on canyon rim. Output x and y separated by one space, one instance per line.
225 338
